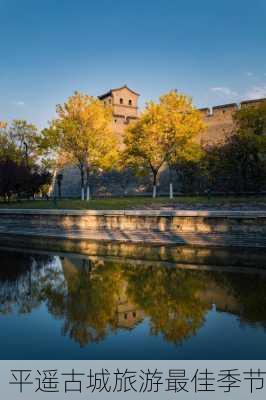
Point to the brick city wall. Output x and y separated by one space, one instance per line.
219 121
219 125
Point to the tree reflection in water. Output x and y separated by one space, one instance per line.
97 296
169 298
248 294
21 280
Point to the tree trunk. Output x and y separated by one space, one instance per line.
82 182
26 154
171 193
88 194
154 188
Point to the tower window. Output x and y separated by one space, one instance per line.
110 101
121 101
130 102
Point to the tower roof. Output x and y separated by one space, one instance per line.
109 93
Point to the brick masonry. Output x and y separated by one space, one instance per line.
219 121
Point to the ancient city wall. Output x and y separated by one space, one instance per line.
219 125
219 121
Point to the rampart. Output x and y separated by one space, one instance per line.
219 125
219 121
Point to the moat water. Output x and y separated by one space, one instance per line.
65 306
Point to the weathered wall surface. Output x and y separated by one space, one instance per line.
220 123
204 228
105 184
140 220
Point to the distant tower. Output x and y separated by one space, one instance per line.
124 102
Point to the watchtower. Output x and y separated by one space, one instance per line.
124 103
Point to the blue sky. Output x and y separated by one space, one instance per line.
214 51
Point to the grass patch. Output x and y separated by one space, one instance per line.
141 202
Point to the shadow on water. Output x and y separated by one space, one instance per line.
170 290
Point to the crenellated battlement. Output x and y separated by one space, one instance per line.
252 103
229 108
219 120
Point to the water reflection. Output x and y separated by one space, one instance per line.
21 279
95 297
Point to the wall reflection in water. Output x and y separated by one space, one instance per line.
94 296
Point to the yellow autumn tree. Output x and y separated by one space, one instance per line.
81 134
161 131
2 124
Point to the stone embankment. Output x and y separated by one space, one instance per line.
188 227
